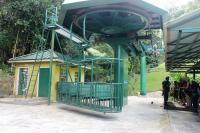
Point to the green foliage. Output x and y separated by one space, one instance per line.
105 48
5 45
21 24
5 69
179 11
156 42
69 48
157 38
176 76
134 65
154 80
101 74
18 19
152 61
133 85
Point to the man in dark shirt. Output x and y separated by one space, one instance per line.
166 87
195 96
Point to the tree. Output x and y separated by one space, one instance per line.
179 11
21 24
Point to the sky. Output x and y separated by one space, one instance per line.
167 4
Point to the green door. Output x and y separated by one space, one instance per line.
22 84
43 82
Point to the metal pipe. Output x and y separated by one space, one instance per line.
51 66
71 28
111 72
79 72
92 72
84 27
143 75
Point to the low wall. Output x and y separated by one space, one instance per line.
6 86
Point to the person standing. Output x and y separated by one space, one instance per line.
175 90
166 87
195 96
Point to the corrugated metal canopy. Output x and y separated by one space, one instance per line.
182 41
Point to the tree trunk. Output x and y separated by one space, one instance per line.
15 49
15 46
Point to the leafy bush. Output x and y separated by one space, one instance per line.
6 69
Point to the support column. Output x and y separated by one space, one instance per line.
51 66
92 72
67 74
79 72
120 69
118 76
143 75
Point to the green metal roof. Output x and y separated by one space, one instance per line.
110 17
75 4
32 56
182 41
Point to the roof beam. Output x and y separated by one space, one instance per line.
189 30
192 57
183 71
195 42
184 52
197 52
181 66
186 67
181 61
198 46
178 63
66 33
172 44
181 38
177 71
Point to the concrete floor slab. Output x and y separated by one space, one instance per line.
139 116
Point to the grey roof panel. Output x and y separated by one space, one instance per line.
46 56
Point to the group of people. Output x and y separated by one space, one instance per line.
183 91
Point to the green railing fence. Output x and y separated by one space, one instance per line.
101 97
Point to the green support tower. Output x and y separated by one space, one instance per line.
119 23
143 75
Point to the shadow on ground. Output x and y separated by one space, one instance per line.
88 113
172 106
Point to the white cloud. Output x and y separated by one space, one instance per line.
72 1
166 4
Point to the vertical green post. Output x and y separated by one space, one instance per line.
92 72
79 72
118 76
118 70
111 72
50 66
143 75
67 73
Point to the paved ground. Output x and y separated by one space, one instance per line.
140 116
